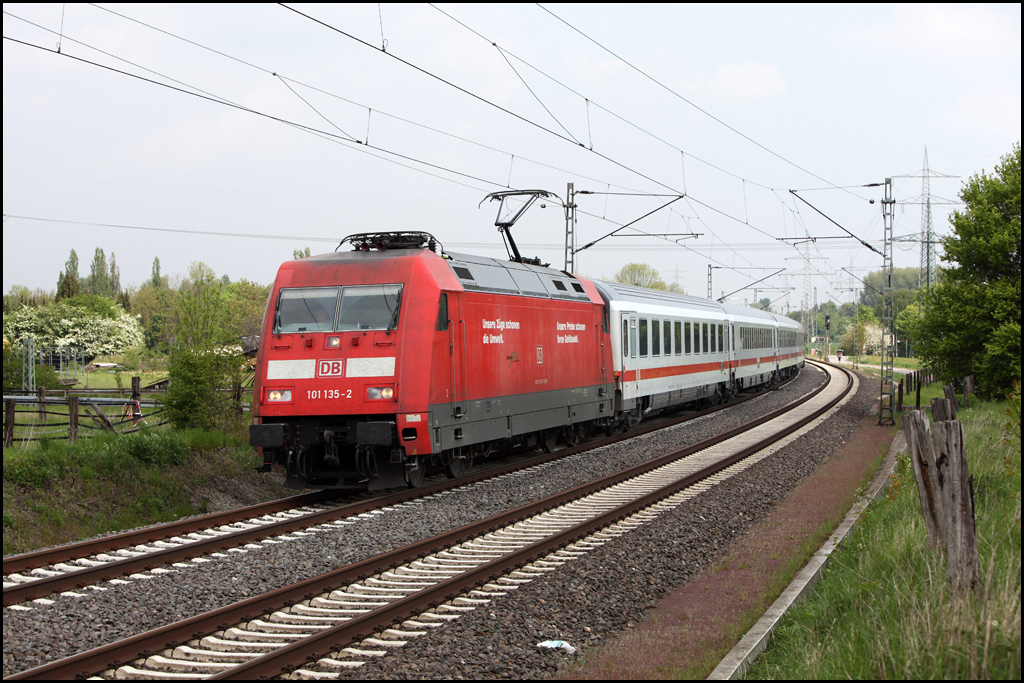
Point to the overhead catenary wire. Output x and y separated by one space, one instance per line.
692 104
328 135
309 129
369 110
339 97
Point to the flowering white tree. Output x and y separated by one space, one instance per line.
63 325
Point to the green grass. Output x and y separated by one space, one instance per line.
57 492
884 608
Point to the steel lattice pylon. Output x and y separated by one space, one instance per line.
928 256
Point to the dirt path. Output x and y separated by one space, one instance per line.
696 625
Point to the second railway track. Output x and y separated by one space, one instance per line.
330 616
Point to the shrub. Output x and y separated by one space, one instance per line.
1000 366
196 398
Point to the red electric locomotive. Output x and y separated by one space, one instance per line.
379 362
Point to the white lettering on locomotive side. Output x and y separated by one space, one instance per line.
571 327
330 368
567 339
500 324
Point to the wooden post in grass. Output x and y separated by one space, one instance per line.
926 474
950 394
41 403
136 388
8 423
72 418
899 397
917 401
946 490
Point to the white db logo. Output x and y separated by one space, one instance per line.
329 368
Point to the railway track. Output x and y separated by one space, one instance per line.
121 557
319 627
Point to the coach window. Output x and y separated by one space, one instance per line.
643 337
632 337
655 337
687 338
704 346
721 338
714 344
625 339
679 338
668 337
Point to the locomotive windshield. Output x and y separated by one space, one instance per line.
318 309
310 309
371 307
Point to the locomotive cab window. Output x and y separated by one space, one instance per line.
442 314
370 307
306 309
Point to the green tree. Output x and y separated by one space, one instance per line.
155 307
114 280
641 275
99 274
301 253
971 319
199 309
68 284
155 278
244 305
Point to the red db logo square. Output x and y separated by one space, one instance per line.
329 368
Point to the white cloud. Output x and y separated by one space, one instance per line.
940 31
988 113
747 82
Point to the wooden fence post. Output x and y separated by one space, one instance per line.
958 506
899 397
922 458
8 423
136 388
946 490
72 418
41 403
917 401
950 394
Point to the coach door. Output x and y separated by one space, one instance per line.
628 345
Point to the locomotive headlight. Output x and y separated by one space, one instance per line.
332 343
279 396
379 393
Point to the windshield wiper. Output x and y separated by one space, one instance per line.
394 314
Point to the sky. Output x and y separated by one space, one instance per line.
290 127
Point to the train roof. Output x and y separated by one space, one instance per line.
483 274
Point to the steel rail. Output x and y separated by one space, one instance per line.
42 587
143 645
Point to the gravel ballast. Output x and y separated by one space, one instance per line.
602 592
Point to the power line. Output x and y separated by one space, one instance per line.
589 101
478 97
339 97
695 106
511 113
331 137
